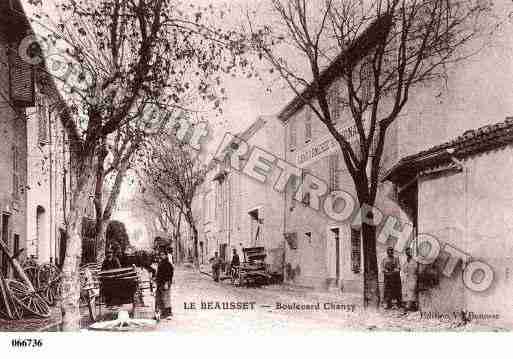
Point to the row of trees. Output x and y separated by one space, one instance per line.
136 60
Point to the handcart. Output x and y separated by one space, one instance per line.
253 270
117 287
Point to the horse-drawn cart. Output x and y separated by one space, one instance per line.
253 270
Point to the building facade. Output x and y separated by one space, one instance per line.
35 184
468 210
461 197
47 180
236 211
16 94
321 252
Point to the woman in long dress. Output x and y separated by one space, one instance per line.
164 280
410 271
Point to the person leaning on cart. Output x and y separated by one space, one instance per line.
164 278
110 262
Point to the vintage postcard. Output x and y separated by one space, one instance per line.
264 167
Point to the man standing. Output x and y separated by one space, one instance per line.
216 266
235 259
409 271
392 277
163 307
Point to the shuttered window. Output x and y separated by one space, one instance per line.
334 165
356 250
21 80
366 78
308 124
305 194
292 136
335 101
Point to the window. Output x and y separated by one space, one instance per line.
356 250
308 124
292 136
334 161
334 101
308 237
21 80
366 77
305 197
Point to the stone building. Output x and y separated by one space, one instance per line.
325 254
16 94
236 211
35 184
321 252
460 192
48 180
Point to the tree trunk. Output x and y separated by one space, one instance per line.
371 295
177 238
70 269
106 214
101 240
195 246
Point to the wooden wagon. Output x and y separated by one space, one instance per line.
253 270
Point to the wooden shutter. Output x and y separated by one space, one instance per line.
308 124
292 136
21 80
356 250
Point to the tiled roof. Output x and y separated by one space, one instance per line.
479 140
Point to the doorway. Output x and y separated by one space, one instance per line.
256 218
333 255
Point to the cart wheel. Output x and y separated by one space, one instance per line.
30 301
15 308
49 278
32 272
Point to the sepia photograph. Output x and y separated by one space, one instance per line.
261 167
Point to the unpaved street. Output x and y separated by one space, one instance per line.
254 310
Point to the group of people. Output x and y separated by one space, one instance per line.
163 277
400 280
217 263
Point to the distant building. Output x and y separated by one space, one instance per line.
235 211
